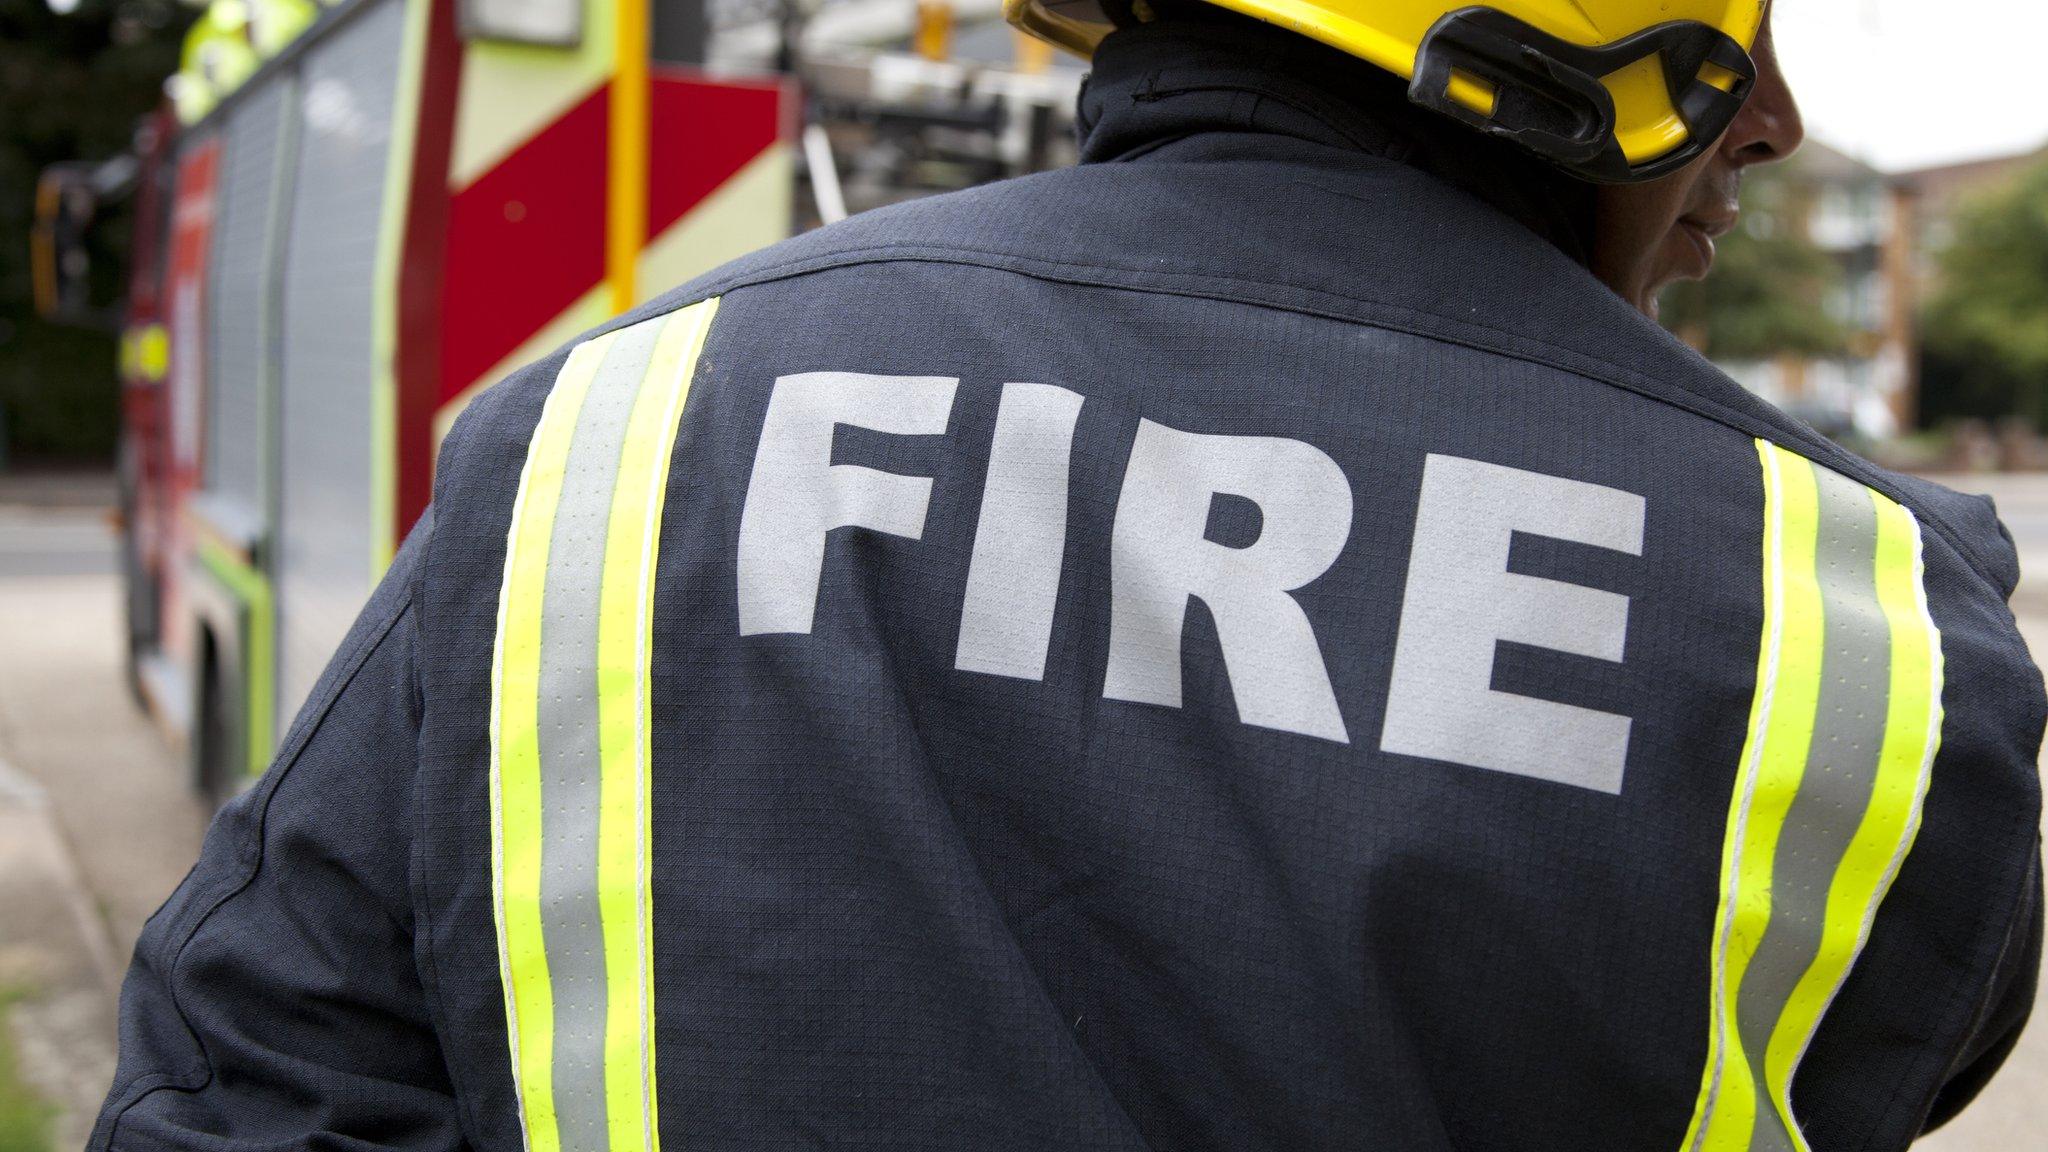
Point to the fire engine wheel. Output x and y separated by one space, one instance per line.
212 756
131 613
131 670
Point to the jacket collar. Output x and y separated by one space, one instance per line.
1222 85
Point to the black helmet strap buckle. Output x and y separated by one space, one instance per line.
1548 94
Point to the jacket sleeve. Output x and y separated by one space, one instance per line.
274 1002
2005 1011
2003 704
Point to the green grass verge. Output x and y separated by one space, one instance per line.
24 1116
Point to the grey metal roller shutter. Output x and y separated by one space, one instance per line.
324 462
237 360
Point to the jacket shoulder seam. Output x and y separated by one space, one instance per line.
171 952
1472 334
134 1091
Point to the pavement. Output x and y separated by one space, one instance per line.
56 952
97 823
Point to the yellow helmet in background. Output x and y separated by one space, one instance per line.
1610 90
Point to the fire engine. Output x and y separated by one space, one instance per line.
349 218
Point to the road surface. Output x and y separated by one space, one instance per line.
93 803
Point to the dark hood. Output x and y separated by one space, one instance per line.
1155 86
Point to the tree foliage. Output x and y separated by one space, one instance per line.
72 87
1985 331
1766 294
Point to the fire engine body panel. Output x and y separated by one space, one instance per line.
385 215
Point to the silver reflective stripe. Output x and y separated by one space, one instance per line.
571 743
1842 735
570 767
1841 766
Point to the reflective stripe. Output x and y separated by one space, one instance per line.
571 762
1841 742
570 734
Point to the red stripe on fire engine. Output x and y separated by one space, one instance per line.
706 134
525 240
417 357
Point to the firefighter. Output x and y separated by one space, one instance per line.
1252 642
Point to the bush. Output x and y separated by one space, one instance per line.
73 88
1985 332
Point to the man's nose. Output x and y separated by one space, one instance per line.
1768 128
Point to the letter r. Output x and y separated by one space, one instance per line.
1160 557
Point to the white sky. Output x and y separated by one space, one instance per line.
1906 83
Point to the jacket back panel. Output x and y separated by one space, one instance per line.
898 901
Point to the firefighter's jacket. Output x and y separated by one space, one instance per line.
1240 644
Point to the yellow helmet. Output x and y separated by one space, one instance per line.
1611 90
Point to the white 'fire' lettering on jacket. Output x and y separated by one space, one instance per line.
1460 599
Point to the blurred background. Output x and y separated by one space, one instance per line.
255 255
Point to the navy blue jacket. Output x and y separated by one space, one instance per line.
1303 697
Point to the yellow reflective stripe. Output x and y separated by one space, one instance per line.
515 752
620 393
1720 1005
1776 753
625 623
1774 759
1786 738
1911 735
